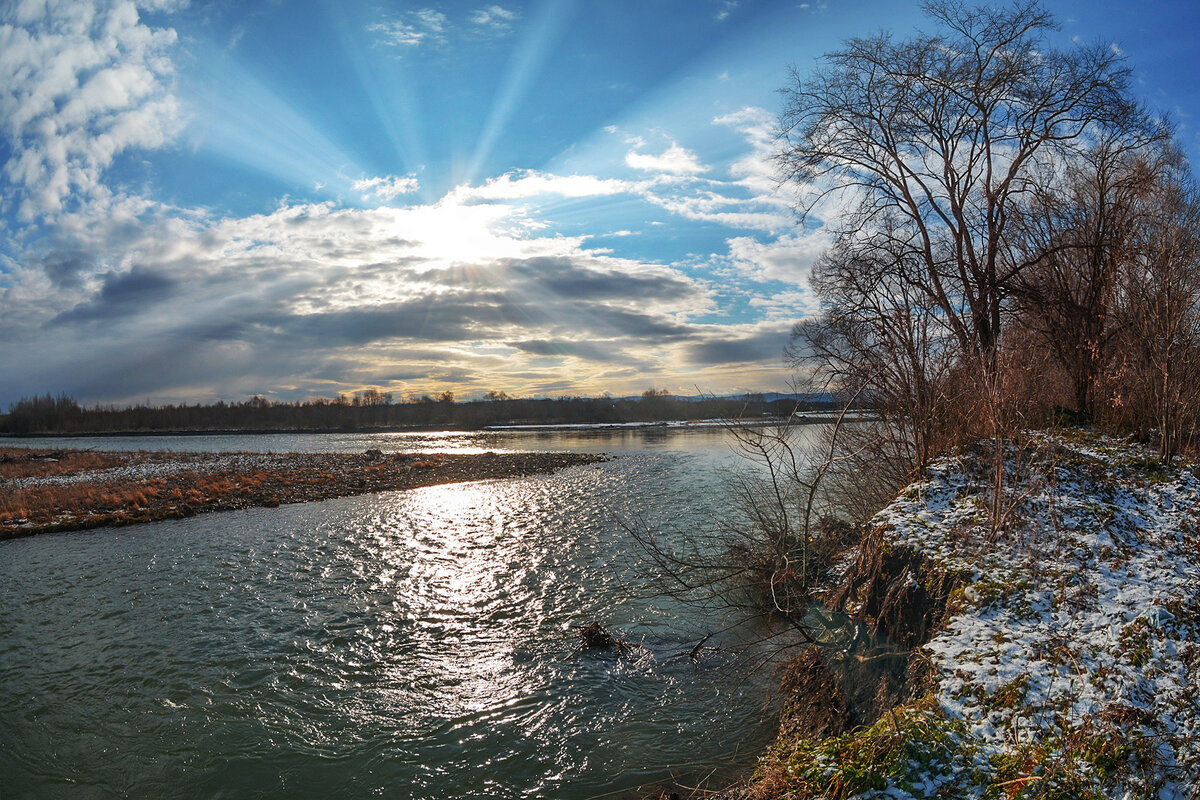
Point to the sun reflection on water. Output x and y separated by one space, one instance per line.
457 578
419 643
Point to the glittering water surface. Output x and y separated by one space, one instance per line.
406 644
693 439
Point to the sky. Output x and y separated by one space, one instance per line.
300 198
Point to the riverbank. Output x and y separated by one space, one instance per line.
809 418
61 490
1056 636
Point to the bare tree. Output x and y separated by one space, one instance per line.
778 542
880 339
1078 234
1157 378
937 136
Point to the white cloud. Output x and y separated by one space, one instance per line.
431 20
166 6
320 298
494 19
412 29
788 259
520 185
80 83
675 160
706 208
790 306
385 188
756 169
727 8
748 197
757 124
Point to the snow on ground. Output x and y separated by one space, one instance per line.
1080 629
159 466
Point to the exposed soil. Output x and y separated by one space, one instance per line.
898 591
814 703
62 490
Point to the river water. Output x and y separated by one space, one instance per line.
407 644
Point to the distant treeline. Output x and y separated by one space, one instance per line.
369 410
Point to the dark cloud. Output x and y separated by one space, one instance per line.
341 250
566 278
121 295
763 347
64 266
640 325
430 318
473 315
216 330
570 277
604 351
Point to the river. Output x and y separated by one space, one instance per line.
407 644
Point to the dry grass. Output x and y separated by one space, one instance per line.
20 462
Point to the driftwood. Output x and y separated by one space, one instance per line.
595 637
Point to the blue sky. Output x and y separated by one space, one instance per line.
294 199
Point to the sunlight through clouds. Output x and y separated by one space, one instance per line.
540 36
448 277
387 84
470 196
244 120
481 283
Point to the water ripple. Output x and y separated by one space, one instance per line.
412 644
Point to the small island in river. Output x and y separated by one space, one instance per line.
61 490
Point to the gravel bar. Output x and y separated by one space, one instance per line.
42 490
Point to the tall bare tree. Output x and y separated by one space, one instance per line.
937 136
880 339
